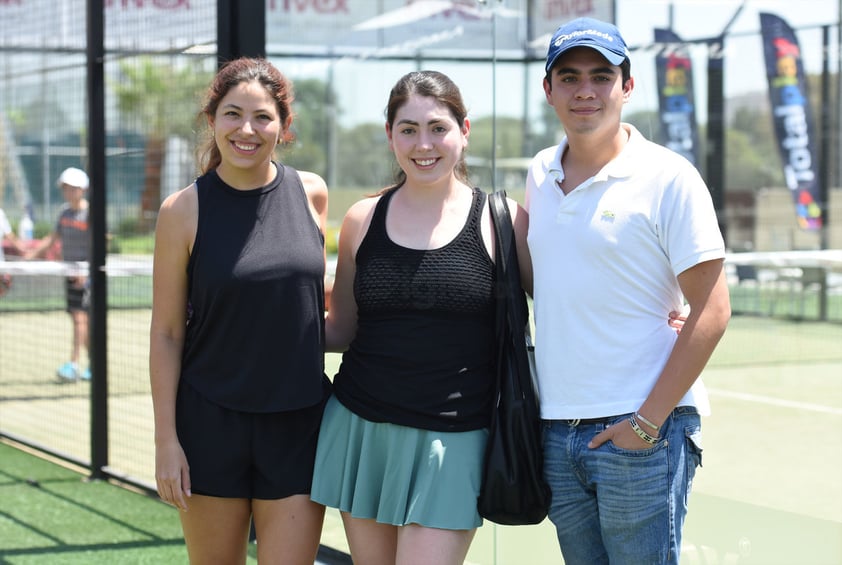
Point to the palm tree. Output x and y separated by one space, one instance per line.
163 99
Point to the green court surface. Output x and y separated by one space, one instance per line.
769 491
50 515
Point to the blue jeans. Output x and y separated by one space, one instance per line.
612 505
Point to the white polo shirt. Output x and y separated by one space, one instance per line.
605 260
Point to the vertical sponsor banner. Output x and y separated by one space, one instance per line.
677 108
793 118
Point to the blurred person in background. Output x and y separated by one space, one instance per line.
236 354
72 233
622 231
7 237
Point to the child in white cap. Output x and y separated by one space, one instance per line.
71 230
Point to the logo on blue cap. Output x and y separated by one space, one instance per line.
588 32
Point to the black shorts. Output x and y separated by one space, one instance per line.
78 293
236 454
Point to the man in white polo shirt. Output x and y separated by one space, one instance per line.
622 232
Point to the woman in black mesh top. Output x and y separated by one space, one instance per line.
402 439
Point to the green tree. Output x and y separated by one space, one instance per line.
507 134
364 159
508 137
160 99
314 102
752 160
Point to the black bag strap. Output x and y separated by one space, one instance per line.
509 288
502 239
503 229
512 309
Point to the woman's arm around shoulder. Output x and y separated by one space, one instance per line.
341 321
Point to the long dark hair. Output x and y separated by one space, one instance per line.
435 85
244 69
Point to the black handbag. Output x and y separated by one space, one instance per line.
513 490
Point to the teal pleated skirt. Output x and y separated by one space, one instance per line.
396 474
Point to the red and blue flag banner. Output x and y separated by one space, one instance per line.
793 118
677 109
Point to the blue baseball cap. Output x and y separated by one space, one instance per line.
588 32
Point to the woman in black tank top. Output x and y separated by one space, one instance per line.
402 439
237 333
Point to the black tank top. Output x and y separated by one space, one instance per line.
423 351
255 330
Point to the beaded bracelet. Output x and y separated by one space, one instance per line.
641 432
640 417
